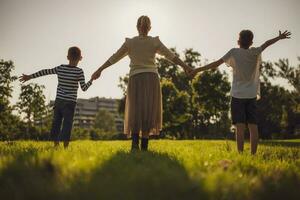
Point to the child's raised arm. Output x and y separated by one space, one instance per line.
285 35
42 72
212 65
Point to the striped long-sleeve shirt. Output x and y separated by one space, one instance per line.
68 79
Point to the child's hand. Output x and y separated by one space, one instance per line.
96 75
285 35
24 78
193 73
188 70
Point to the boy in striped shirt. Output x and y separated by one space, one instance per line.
68 78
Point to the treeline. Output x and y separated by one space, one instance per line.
197 108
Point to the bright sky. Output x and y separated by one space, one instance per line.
36 34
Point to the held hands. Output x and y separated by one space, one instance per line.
96 75
188 70
194 72
285 35
24 78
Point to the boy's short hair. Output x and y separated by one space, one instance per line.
246 38
74 53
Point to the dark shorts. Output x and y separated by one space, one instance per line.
62 120
243 111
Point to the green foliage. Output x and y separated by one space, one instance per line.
291 74
94 134
99 134
170 170
32 103
210 100
80 134
175 105
9 123
11 127
123 82
105 121
6 88
279 108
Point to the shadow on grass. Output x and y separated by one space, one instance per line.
140 175
27 177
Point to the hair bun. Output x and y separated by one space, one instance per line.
144 24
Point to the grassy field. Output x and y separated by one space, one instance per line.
203 169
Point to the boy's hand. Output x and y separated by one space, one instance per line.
96 75
193 73
24 78
188 70
285 35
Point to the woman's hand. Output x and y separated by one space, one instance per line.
193 73
96 74
187 69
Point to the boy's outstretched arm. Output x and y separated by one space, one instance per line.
285 35
84 86
212 65
43 72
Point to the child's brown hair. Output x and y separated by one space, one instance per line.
246 38
74 53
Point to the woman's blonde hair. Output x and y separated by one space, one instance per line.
144 24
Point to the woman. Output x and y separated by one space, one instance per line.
143 109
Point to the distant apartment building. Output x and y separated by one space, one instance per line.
87 109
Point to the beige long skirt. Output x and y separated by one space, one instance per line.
143 107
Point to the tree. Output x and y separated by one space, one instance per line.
279 108
105 121
210 101
8 122
291 74
6 79
32 104
175 109
292 112
123 82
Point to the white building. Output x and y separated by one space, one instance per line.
87 109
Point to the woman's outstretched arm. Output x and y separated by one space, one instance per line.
163 50
97 73
187 69
121 53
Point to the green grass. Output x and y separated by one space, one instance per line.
201 169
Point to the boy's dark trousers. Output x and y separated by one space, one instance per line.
63 115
